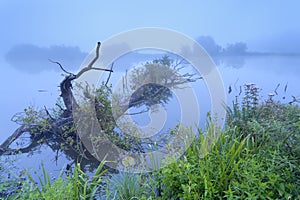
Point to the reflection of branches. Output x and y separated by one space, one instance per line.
153 82
177 64
150 94
137 113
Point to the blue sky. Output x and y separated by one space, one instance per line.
263 25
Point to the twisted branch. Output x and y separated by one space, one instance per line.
61 67
90 66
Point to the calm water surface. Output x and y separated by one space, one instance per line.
21 89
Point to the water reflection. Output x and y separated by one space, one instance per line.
230 61
265 71
272 62
147 84
53 151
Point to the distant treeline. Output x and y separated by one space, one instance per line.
233 49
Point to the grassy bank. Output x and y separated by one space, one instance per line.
257 156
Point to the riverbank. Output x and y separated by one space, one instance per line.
257 156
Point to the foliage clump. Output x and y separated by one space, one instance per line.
256 157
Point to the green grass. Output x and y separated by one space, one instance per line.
257 156
75 186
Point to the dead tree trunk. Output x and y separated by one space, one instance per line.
56 126
66 94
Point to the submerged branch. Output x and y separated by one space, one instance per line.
5 145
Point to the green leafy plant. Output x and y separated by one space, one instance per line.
76 186
127 186
256 157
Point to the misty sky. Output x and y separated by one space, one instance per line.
263 25
33 31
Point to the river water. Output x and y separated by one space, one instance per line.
21 89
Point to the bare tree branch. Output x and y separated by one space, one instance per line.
47 112
96 57
60 107
60 66
177 64
112 65
90 65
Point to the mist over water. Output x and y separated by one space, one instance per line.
24 89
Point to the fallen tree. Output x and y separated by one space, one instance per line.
56 126
43 126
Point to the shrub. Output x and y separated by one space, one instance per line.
256 157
